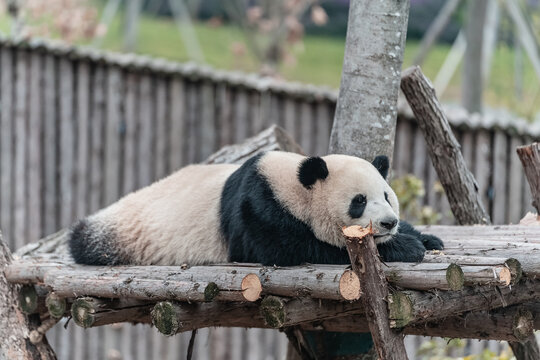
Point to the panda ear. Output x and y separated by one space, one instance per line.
311 170
382 164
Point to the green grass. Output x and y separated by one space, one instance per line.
318 60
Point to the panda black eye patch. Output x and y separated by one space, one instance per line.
386 197
357 206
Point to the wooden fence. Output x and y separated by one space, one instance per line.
79 129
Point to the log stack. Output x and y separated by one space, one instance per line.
468 290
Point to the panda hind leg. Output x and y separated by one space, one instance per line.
430 242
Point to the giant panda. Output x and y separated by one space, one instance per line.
278 208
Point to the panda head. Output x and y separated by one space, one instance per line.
334 191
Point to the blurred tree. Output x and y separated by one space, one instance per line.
272 27
69 20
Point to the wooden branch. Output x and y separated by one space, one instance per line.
15 327
366 110
409 307
273 138
89 312
365 262
530 159
444 150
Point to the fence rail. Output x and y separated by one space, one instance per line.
81 128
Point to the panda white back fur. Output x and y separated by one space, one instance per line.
277 208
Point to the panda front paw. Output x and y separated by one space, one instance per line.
402 247
431 242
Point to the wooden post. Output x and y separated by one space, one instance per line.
365 263
472 84
366 109
15 327
435 29
530 158
458 182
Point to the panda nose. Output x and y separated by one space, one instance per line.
389 223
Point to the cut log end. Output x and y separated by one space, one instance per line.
251 287
523 324
29 299
349 285
455 277
273 311
400 309
164 318
357 231
516 271
56 305
83 312
505 276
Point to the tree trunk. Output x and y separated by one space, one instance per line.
472 84
444 150
366 110
15 327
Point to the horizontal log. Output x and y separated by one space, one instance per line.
334 282
409 307
515 323
472 233
139 288
509 324
90 312
511 264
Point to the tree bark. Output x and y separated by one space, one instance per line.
472 81
366 110
15 327
365 263
530 158
444 150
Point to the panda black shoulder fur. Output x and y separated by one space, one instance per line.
277 208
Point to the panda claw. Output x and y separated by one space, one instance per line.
432 242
